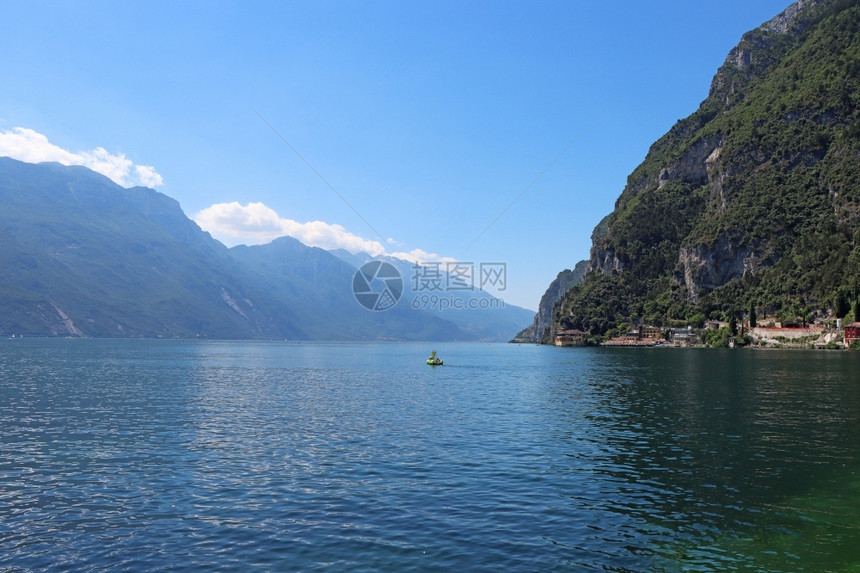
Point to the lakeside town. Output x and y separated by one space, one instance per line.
789 334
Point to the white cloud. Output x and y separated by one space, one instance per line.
33 147
422 256
148 176
256 223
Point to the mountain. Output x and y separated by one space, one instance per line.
318 287
82 256
539 329
753 201
475 311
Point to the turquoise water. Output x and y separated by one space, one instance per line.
177 455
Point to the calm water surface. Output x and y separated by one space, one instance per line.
172 455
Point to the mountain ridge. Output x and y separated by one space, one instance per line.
83 256
474 310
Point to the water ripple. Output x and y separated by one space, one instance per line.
144 455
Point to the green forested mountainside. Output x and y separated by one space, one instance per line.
753 200
82 256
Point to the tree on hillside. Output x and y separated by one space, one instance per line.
841 304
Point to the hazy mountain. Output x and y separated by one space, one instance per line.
474 310
753 200
318 287
80 255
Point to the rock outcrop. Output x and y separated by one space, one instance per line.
539 329
706 267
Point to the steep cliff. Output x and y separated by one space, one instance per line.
753 199
539 329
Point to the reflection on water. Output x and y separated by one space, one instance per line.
201 455
734 445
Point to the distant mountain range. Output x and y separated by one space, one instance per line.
750 203
82 256
468 306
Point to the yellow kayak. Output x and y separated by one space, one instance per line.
433 361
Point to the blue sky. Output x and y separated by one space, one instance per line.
427 118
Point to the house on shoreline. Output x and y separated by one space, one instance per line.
649 335
571 337
684 336
789 334
851 333
645 336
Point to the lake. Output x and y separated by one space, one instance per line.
281 456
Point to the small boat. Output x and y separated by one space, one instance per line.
433 361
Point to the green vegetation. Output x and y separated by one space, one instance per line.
772 217
723 338
717 338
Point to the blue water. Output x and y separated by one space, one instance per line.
194 456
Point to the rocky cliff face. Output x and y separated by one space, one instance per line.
540 327
706 266
755 54
604 260
696 165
